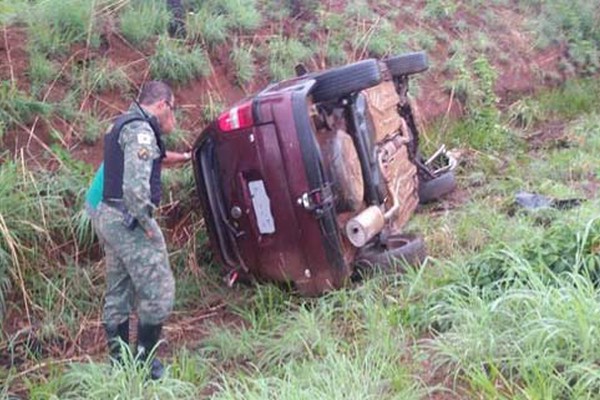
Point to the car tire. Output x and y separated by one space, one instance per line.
434 189
399 249
339 82
407 64
343 164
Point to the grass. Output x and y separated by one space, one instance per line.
315 346
573 23
175 63
92 130
229 17
54 25
9 11
212 106
101 382
40 72
142 20
242 14
18 108
529 329
439 9
284 54
211 34
34 217
243 63
384 40
98 77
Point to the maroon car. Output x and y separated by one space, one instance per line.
316 175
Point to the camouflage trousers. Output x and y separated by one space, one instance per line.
137 270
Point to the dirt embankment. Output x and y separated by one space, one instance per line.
521 67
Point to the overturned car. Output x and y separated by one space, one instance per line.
316 175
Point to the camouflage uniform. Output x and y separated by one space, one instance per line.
137 266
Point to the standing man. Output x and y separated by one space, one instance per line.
137 264
177 22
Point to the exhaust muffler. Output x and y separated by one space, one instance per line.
365 226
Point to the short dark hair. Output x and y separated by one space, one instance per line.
154 91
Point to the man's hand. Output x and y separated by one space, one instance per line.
174 158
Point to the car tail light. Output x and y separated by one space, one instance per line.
238 117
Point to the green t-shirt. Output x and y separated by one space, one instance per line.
93 197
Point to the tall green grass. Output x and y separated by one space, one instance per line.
243 62
175 63
284 54
531 329
54 25
574 22
18 108
142 20
227 17
346 345
38 213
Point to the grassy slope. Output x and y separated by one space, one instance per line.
505 308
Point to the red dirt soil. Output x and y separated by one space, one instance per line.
519 73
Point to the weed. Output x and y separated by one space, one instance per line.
384 40
211 34
573 23
284 54
37 212
483 129
349 336
462 85
173 62
335 54
575 98
100 76
68 108
265 305
439 9
141 20
358 9
537 303
424 40
189 367
337 32
103 382
524 113
242 14
92 129
243 63
54 25
212 106
18 108
40 72
11 11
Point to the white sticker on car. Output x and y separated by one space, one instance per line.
262 207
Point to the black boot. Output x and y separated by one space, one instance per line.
113 334
148 336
